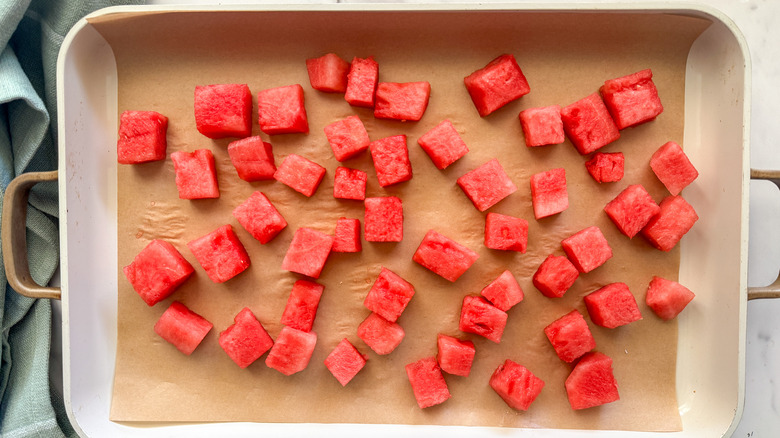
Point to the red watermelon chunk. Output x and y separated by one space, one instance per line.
292 351
612 306
196 174
328 73
632 99
444 256
667 298
606 166
347 137
220 253
350 184
501 81
384 219
402 101
555 276
503 292
345 361
674 220
570 336
673 168
588 124
157 271
182 327
380 335
347 236
443 144
591 382
587 249
246 340
542 126
281 110
632 209
507 233
259 217
516 385
223 110
362 81
253 159
389 295
482 318
300 174
455 356
548 193
486 185
142 137
301 308
391 160
308 252
428 384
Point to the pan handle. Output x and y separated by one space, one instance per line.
14 236
773 290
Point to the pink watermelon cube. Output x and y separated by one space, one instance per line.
380 335
301 308
443 144
391 160
308 252
246 340
182 327
223 110
612 306
281 110
350 184
506 233
673 168
300 174
362 81
389 295
516 385
606 166
259 217
548 193
292 351
428 384
542 126
588 124
384 219
591 382
570 336
347 236
674 220
555 276
253 159
482 318
501 81
667 298
347 137
632 99
220 253
455 355
157 271
503 292
486 185
345 361
328 73
142 137
196 174
402 101
444 256
587 249
632 209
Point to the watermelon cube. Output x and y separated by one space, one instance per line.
196 174
308 252
674 220
345 361
606 166
220 253
402 101
444 256
455 356
302 305
347 137
555 276
570 336
223 110
588 124
507 233
142 137
587 249
384 219
591 382
259 217
482 318
542 126
362 81
548 193
516 385
300 174
246 340
391 160
292 351
389 295
428 384
347 236
443 144
328 73
253 159
501 81
380 335
157 271
667 298
632 99
281 110
673 168
350 184
612 306
632 209
182 327
486 185
503 292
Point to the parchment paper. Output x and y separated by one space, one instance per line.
565 56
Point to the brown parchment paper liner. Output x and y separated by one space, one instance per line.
565 56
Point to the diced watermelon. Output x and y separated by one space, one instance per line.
555 276
506 232
501 81
632 209
482 318
196 174
246 340
632 99
182 327
486 185
347 137
384 219
591 382
300 174
347 236
672 166
587 249
142 137
350 184
220 253
667 298
504 292
328 73
570 336
542 126
402 101
380 335
281 110
444 256
259 217
292 351
253 159
612 306
428 384
223 110
674 220
301 308
345 361
443 144
548 193
391 160
588 124
308 252
157 271
516 385
362 81
455 355
606 166
389 295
